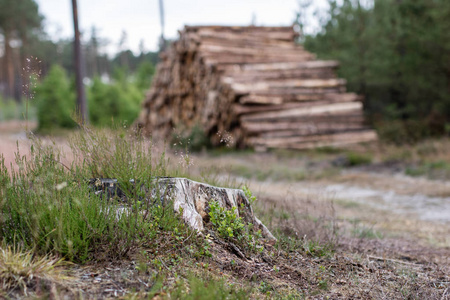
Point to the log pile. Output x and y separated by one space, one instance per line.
255 85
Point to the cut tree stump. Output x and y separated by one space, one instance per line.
191 198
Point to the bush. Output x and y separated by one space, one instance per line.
231 227
193 140
356 159
12 110
119 102
403 132
55 100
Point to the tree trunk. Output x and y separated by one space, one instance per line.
8 66
81 95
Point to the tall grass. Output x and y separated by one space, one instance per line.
50 207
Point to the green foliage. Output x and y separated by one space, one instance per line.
207 289
193 139
231 227
265 288
55 101
226 222
144 74
11 110
402 132
393 53
115 103
248 193
356 159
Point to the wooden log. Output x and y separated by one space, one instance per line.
261 127
244 77
285 84
239 29
239 109
273 100
298 142
312 129
289 66
212 59
306 111
253 36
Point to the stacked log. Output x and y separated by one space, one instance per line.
254 84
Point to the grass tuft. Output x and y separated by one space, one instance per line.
18 268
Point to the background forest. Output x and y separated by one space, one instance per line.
36 67
395 53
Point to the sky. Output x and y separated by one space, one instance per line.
140 18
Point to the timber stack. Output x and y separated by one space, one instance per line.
253 86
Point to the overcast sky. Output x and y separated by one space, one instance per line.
140 18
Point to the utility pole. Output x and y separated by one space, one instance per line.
162 40
81 95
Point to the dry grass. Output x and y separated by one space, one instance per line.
19 269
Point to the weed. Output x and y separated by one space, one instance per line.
194 139
356 159
316 249
197 288
322 280
265 288
364 232
251 198
231 227
18 268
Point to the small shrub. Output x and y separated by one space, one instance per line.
231 227
196 288
55 101
193 139
115 103
356 159
226 222
12 110
402 132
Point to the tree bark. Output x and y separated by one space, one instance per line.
81 95
9 67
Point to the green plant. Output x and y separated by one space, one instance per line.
231 227
12 110
197 288
193 139
249 195
316 249
55 101
356 159
113 103
265 288
226 222
322 278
